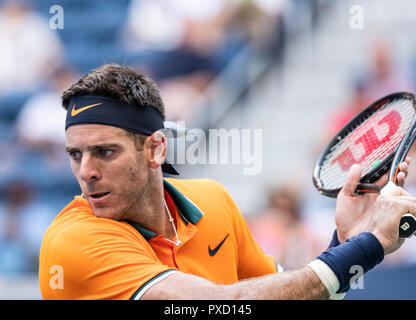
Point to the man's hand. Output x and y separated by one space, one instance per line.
371 212
401 176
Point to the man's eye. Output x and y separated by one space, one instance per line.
106 152
75 155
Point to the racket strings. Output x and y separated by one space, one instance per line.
367 134
368 122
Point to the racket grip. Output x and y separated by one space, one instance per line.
367 188
407 226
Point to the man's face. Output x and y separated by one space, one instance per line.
110 170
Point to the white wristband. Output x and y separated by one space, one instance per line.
338 296
328 278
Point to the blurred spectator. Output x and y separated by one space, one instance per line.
182 93
386 76
281 232
40 124
30 50
358 100
262 23
200 37
164 25
191 42
23 220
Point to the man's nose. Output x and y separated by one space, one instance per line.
89 170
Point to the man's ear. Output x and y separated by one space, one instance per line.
157 144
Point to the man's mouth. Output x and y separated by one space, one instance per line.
98 195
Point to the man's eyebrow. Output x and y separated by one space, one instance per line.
94 147
103 146
69 148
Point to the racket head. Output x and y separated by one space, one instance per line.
370 139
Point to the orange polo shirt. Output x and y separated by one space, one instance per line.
86 257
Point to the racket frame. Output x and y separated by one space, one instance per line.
402 151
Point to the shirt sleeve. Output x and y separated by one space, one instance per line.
252 261
98 260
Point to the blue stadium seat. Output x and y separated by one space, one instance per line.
11 104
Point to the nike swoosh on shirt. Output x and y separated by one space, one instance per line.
213 252
74 111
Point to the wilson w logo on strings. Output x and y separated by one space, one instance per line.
375 135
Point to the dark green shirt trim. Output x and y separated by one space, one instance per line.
149 281
147 234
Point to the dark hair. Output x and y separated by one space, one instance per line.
120 83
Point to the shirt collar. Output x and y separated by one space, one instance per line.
188 210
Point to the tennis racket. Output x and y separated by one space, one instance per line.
378 139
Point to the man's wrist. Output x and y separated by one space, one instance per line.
363 250
326 275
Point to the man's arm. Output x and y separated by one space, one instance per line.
373 231
298 284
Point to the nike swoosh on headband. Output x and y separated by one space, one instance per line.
74 111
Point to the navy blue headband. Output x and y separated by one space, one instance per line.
103 110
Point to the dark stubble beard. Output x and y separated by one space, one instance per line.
134 198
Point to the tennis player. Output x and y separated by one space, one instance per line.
133 234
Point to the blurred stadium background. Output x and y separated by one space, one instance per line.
296 69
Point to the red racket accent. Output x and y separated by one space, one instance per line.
369 140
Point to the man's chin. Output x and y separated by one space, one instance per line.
104 213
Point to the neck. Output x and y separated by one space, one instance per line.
151 212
